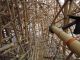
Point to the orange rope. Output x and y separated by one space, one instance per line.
70 41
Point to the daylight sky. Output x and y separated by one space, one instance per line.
61 1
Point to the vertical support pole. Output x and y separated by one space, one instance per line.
69 13
65 22
0 31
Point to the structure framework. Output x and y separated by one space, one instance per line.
24 29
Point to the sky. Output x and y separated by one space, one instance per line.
61 1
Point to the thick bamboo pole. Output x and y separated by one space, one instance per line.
66 21
71 42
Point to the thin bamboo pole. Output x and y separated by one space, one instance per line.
60 11
0 31
12 15
6 47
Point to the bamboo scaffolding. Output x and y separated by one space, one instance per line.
24 29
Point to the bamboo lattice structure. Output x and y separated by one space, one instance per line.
24 29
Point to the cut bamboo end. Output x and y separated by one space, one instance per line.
60 33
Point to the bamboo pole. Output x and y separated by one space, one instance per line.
12 16
71 42
66 21
60 11
0 30
69 13
23 56
6 47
